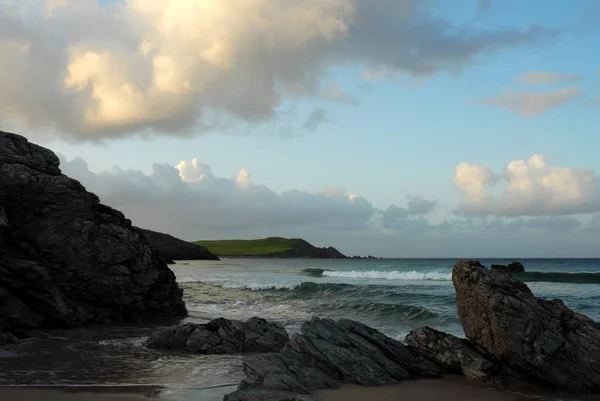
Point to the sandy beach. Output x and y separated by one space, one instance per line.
79 393
450 388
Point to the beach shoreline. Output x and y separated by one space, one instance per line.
449 388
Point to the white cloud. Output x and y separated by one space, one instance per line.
530 104
535 78
531 188
190 202
90 72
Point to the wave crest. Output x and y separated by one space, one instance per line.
390 275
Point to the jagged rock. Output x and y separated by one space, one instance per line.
67 260
514 267
223 336
328 354
540 338
7 338
457 355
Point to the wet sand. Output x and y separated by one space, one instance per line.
448 389
85 393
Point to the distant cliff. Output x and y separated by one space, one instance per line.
272 247
171 248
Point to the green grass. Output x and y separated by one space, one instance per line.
255 247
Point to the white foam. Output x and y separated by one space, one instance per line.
391 275
260 286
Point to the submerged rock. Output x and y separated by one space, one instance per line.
222 336
535 337
327 355
66 259
514 267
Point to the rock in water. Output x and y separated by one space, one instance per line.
223 336
540 338
326 355
514 267
66 259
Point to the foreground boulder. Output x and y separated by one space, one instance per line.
459 356
66 259
327 355
535 337
223 336
514 267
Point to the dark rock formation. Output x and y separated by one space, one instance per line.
172 248
223 336
459 356
535 337
326 355
7 338
514 267
66 259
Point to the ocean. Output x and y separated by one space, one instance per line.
392 295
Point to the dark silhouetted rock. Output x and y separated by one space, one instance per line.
514 267
457 355
172 248
66 259
328 354
222 336
535 337
7 338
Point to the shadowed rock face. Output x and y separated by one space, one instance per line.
326 355
514 267
540 338
67 260
223 336
459 356
172 248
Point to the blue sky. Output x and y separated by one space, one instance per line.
401 134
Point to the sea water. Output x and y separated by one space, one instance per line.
392 295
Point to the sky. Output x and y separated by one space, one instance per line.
396 128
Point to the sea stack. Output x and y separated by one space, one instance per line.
65 258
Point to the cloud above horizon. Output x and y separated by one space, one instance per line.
189 201
531 187
90 72
536 78
529 104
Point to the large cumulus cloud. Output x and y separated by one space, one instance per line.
533 187
188 200
89 72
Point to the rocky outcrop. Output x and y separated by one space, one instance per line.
458 356
66 259
172 248
514 267
535 337
223 336
326 355
7 338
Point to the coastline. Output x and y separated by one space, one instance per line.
449 388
